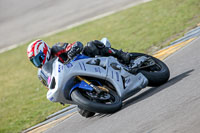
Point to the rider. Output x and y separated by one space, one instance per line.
39 52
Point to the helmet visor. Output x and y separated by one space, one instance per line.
38 59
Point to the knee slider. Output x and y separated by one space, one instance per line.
98 44
90 49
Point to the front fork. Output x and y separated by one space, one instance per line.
98 89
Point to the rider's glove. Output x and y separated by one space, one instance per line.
76 49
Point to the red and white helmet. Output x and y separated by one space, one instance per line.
38 52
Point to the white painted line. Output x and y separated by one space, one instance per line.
77 24
97 17
12 46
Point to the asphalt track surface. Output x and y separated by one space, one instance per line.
24 20
171 108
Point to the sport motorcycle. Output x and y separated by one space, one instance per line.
101 84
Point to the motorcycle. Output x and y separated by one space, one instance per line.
100 84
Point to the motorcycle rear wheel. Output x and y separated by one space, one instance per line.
157 74
86 102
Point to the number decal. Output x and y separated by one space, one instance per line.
60 68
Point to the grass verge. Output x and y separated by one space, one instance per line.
144 28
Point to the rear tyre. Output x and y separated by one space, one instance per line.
157 74
86 102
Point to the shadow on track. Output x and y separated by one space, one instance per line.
154 90
149 92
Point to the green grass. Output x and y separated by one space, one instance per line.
144 28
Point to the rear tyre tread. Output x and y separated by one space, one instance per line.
155 78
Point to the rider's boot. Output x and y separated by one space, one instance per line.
119 54
97 47
85 113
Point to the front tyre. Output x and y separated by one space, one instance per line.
86 101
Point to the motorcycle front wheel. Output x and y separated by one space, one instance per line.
88 101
